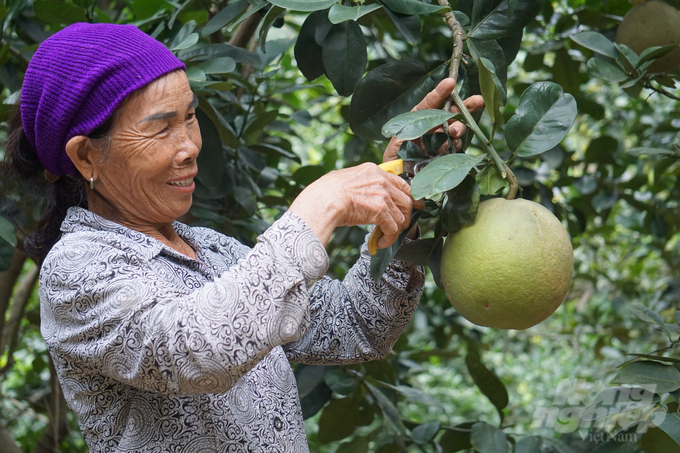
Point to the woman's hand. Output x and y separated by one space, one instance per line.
432 101
359 195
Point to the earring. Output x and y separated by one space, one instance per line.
91 183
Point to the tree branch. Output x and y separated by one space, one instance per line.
10 335
8 279
58 427
7 441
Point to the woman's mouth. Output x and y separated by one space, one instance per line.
182 182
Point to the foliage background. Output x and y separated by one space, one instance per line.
268 132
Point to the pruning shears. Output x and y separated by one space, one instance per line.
408 168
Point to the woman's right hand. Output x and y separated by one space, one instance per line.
359 195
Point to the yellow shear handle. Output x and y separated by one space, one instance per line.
396 167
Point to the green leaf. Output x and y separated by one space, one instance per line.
340 381
490 19
304 5
308 174
456 439
413 7
220 65
487 381
408 26
389 90
413 394
338 419
416 252
443 174
356 445
605 71
434 262
492 90
424 433
655 439
528 444
58 13
412 125
211 160
339 13
671 426
183 34
627 56
488 439
432 142
225 131
596 42
621 441
664 378
461 205
602 149
188 42
652 53
410 151
210 51
344 56
390 412
646 151
616 400
224 17
6 253
650 316
274 13
308 53
7 231
195 74
255 7
542 119
490 181
493 52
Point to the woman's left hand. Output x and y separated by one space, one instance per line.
432 101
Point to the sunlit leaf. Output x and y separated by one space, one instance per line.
339 13
542 119
303 5
7 231
389 90
443 174
654 375
408 126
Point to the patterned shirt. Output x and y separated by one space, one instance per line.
158 352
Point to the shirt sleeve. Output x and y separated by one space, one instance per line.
357 319
106 310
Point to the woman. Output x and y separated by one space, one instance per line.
172 338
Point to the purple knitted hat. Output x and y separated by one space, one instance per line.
76 80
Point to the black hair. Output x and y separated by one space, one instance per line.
22 172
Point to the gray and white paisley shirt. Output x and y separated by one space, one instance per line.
157 352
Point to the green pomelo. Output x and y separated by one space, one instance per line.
509 269
651 24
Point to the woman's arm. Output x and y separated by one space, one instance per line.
106 309
357 319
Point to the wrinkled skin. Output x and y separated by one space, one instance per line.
154 147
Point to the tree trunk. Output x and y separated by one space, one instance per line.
57 409
7 442
8 278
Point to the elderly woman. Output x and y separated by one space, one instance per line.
172 338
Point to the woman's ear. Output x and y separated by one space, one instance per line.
83 155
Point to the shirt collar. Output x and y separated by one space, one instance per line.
81 220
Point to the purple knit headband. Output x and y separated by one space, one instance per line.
76 80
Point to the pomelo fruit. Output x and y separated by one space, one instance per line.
649 24
510 268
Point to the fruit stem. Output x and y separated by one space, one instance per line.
514 185
456 57
486 146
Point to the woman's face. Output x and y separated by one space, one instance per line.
148 174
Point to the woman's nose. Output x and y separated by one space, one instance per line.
190 147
